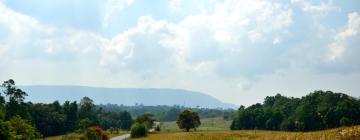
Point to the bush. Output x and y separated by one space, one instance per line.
138 130
23 129
157 128
345 121
95 133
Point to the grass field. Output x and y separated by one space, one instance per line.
347 133
218 129
208 124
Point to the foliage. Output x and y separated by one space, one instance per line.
138 130
95 133
15 104
87 108
172 114
345 121
169 113
54 118
316 111
146 119
85 123
18 129
188 120
121 120
49 120
6 132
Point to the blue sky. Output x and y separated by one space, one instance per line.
235 50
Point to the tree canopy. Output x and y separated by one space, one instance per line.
316 111
188 120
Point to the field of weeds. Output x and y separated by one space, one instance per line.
345 133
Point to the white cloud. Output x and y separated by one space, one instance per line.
342 53
112 7
346 41
226 51
321 9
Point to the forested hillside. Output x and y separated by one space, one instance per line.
316 111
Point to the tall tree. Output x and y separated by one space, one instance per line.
71 112
87 108
16 105
188 120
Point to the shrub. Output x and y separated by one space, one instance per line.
157 128
345 121
138 130
95 133
23 129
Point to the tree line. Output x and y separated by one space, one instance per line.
26 120
22 120
169 113
316 111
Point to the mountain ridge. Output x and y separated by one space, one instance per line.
125 96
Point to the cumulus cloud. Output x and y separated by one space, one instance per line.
232 49
140 48
342 54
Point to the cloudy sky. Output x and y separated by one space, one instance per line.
238 51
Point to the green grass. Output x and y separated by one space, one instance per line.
208 124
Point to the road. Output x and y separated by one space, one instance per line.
122 137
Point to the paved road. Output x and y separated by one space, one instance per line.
122 137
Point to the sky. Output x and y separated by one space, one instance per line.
238 51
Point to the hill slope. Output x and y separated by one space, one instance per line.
125 96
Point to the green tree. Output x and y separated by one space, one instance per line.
6 132
85 123
23 130
138 130
16 105
315 111
125 120
146 119
345 121
71 113
48 121
188 120
87 108
172 114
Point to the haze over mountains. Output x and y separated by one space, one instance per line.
125 96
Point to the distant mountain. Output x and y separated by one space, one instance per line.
125 96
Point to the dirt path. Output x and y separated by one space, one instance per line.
122 137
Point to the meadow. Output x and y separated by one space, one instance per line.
218 129
207 124
344 133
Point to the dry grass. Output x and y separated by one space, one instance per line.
78 136
348 133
